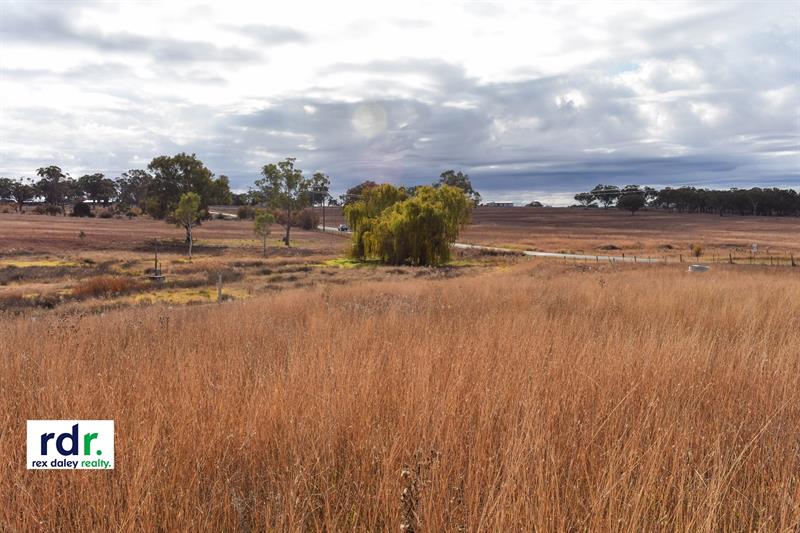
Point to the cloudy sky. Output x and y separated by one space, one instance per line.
534 100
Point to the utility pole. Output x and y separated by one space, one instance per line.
325 195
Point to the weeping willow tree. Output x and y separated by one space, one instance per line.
395 229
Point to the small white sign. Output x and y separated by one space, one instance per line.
70 444
754 248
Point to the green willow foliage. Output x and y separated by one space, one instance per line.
395 229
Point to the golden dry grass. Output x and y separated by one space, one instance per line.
542 397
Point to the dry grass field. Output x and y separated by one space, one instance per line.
33 234
496 394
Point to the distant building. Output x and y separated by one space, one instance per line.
498 204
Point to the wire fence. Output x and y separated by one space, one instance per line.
788 259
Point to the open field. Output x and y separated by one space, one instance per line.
32 234
495 394
46 265
647 233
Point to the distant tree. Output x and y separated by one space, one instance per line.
55 186
132 188
354 194
174 176
220 191
261 225
243 198
22 190
586 199
631 202
461 180
6 185
534 203
650 194
320 188
187 215
97 188
605 194
284 187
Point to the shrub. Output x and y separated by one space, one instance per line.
228 276
47 209
16 302
246 212
697 249
306 219
103 286
154 208
105 213
81 209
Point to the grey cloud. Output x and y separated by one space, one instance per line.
271 35
44 26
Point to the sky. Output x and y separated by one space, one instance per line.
534 100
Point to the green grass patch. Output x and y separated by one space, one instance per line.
185 296
346 262
464 263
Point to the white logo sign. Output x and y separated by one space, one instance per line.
76 444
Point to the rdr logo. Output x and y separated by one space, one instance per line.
70 444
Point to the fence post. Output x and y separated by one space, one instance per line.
792 258
219 288
730 258
680 257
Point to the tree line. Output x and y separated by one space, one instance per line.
754 201
156 190
180 188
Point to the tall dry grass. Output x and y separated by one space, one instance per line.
542 398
